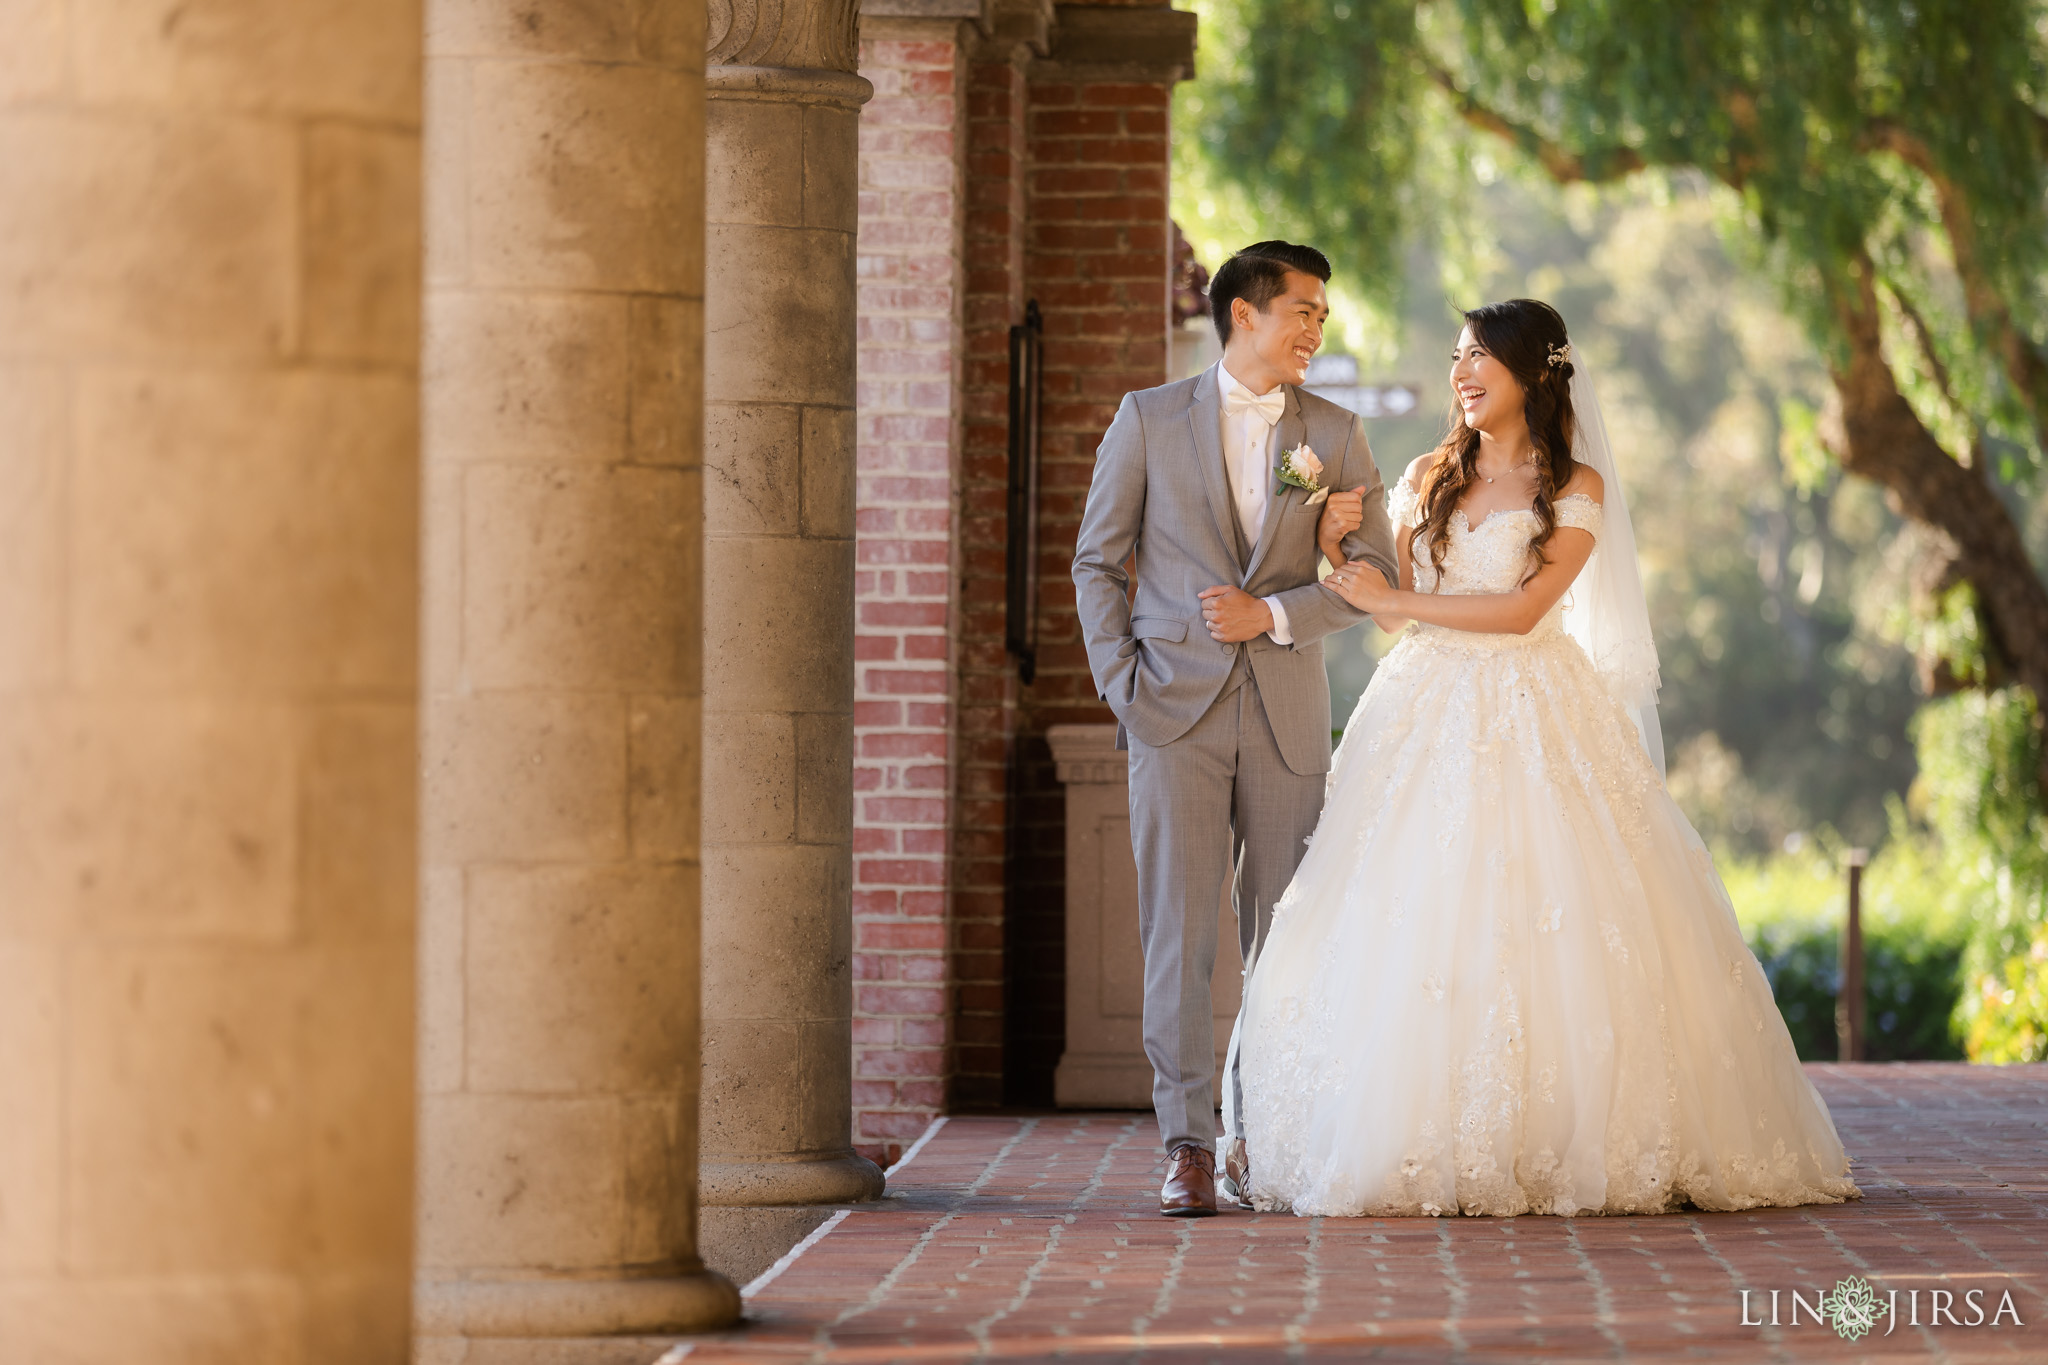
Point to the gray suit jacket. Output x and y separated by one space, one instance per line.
1160 488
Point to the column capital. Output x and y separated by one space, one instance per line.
802 85
797 34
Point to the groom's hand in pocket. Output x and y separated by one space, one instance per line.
1234 615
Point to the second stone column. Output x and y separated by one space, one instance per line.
782 117
564 420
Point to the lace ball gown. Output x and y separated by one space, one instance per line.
1506 978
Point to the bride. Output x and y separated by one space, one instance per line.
1506 978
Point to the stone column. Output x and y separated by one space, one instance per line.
563 441
208 575
783 120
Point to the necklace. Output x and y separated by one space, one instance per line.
1509 470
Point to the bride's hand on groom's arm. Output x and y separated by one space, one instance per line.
1364 587
1343 513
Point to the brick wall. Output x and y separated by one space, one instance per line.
1097 260
1055 190
988 689
909 341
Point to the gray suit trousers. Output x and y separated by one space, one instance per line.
1216 801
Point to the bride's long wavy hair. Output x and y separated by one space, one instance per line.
1521 334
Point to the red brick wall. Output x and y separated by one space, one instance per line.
909 341
1056 191
988 689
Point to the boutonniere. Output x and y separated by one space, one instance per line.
1301 468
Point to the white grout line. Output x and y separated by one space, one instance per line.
767 1277
927 1135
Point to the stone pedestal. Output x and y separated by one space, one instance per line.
783 123
1104 1065
209 472
560 1041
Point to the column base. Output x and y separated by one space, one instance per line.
543 1350
750 1212
840 1178
703 1301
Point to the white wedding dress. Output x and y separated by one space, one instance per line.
1506 978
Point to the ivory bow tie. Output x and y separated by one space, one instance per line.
1268 406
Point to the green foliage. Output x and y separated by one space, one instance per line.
1954 633
1956 904
1792 907
1350 153
1326 119
1978 796
2007 1018
1332 92
1806 461
1779 99
1910 984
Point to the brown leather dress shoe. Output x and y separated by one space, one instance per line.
1236 1183
1190 1188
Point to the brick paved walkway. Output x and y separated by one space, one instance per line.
1031 1238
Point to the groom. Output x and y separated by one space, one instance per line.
1215 667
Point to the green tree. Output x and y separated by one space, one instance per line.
1889 160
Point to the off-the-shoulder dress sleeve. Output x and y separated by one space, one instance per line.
1403 506
1579 511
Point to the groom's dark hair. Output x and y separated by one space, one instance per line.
1257 274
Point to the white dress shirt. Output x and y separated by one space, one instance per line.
1248 461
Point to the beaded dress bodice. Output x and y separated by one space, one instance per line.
1491 557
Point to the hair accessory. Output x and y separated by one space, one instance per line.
1560 355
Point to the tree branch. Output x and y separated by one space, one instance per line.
1602 164
2024 365
1885 441
1923 335
1564 166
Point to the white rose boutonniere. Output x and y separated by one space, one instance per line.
1301 468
